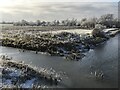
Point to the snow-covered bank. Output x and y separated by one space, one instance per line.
69 45
20 75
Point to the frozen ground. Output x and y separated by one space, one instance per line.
14 76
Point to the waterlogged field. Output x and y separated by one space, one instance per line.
80 74
70 43
50 41
95 68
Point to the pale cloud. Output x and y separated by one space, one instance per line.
36 9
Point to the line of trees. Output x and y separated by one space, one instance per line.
66 22
106 20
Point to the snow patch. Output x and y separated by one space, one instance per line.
28 83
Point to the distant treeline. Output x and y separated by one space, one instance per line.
106 20
6 22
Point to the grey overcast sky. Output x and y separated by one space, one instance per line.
32 10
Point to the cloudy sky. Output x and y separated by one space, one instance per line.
31 10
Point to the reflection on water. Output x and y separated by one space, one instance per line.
79 73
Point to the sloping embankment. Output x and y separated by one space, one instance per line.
19 75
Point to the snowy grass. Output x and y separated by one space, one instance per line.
78 31
14 75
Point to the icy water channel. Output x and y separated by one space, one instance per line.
78 73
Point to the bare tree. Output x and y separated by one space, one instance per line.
106 20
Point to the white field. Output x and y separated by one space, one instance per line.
38 29
46 29
78 31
